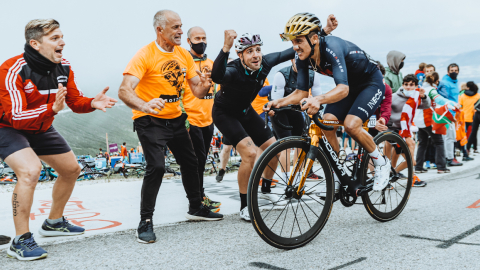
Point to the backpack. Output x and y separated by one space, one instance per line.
477 106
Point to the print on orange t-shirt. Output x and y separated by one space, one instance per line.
259 102
162 75
199 111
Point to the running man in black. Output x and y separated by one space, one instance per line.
241 80
359 85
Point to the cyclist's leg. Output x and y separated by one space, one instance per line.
333 112
68 170
26 165
248 152
225 155
262 136
367 101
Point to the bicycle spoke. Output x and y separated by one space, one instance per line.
305 214
284 221
277 219
286 184
309 208
314 199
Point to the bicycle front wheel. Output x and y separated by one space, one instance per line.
387 204
283 218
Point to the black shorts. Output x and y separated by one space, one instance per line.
49 142
289 118
226 141
362 100
236 127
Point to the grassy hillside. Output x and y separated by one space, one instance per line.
85 133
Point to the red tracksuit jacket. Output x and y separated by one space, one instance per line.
26 97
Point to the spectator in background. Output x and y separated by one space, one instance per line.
463 87
420 73
100 153
399 99
140 148
423 120
123 150
468 100
449 89
393 76
429 69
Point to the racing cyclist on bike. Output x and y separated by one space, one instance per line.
359 88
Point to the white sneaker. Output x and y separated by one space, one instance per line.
323 190
244 214
382 176
275 199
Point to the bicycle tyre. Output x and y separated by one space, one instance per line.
367 202
252 196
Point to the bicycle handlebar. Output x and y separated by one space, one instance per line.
316 117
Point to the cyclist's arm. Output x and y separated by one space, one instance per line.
220 72
279 57
278 90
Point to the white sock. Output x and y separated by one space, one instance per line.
377 158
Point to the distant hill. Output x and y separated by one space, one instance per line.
85 133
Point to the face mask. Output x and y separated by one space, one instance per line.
199 48
401 66
453 75
408 93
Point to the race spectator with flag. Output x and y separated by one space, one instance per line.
424 121
449 89
404 104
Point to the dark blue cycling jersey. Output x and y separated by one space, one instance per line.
340 59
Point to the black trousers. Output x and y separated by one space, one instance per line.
154 134
437 139
472 140
201 138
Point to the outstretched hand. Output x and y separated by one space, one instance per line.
205 79
102 101
332 24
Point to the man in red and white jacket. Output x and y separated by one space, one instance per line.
34 87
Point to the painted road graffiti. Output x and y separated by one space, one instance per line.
78 215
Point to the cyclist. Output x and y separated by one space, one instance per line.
32 92
358 92
241 80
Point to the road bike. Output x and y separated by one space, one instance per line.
295 223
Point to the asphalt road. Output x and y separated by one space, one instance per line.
439 229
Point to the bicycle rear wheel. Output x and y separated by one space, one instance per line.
292 220
390 202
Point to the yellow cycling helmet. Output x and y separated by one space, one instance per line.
301 25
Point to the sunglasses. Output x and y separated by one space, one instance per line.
288 37
246 41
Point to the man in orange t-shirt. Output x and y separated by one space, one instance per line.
199 110
152 83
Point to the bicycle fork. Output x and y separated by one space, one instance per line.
310 156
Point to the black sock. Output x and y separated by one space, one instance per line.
266 184
243 201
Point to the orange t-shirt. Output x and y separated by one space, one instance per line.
199 111
259 101
468 103
162 75
123 152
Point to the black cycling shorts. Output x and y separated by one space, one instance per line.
226 141
362 99
289 118
236 127
49 142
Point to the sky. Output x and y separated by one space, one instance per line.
102 36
